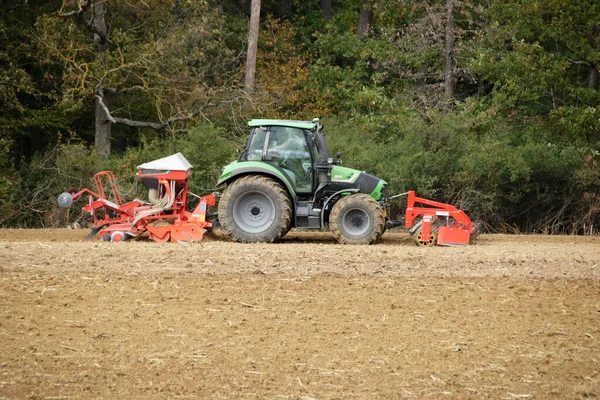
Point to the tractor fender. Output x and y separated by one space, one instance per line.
274 174
355 190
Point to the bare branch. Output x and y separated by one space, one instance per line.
132 88
164 126
101 102
69 14
577 62
126 90
140 124
82 8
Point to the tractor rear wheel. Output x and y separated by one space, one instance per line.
255 208
357 219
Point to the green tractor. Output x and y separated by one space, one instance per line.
285 178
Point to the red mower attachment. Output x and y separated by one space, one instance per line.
165 217
440 223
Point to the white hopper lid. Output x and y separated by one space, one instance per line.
175 162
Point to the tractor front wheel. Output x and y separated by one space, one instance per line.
255 208
357 219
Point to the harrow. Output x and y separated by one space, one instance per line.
438 223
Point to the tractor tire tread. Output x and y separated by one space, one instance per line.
254 181
371 206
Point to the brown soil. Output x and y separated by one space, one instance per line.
512 317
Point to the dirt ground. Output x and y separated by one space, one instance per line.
512 317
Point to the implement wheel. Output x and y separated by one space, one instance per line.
357 219
429 241
421 240
255 208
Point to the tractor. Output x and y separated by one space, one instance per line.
285 178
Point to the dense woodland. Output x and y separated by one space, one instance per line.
492 105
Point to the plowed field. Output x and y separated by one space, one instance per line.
513 317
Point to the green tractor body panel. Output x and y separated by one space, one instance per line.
239 168
342 178
344 175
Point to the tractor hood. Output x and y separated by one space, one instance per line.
348 178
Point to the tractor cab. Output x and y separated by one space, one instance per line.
287 146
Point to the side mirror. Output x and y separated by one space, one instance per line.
338 158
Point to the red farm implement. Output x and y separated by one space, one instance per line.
438 223
165 217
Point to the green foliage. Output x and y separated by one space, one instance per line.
542 59
204 147
511 178
520 148
34 188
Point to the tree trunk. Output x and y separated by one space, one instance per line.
365 19
100 23
103 125
449 78
252 45
285 8
594 78
327 9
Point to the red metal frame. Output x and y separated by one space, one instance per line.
456 232
169 220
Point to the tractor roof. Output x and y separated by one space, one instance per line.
279 122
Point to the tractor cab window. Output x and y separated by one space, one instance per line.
289 150
256 145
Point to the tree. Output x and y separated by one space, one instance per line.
30 115
365 19
433 40
450 62
252 45
153 67
554 45
327 9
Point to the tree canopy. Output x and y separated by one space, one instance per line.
493 105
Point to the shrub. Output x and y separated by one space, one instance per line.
29 198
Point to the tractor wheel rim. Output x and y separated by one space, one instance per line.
356 222
254 212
